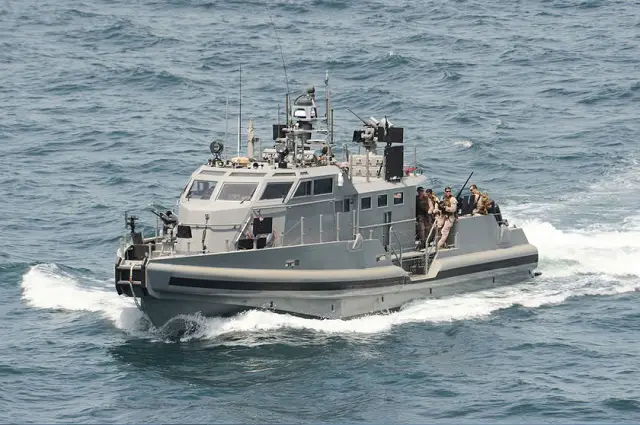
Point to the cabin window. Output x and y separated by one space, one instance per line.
237 191
347 205
398 198
323 186
382 200
276 190
304 189
201 189
365 203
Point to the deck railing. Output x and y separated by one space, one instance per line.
394 238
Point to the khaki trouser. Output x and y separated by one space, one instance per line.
445 223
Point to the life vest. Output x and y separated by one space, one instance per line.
482 204
436 204
422 206
446 203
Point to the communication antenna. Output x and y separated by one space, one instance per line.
326 95
226 123
284 65
240 112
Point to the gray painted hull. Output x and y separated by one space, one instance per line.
324 304
218 285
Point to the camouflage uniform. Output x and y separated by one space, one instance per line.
480 204
431 214
448 208
422 217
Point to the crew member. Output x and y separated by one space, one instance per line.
422 216
480 201
448 208
324 155
432 202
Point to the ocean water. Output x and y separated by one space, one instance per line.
109 106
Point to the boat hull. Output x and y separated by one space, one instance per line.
182 289
329 305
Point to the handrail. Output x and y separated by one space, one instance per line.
310 202
409 220
240 229
270 207
147 246
210 226
428 249
399 244
433 226
295 226
244 227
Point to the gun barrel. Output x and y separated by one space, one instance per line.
463 186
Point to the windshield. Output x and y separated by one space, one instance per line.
237 191
201 189
276 190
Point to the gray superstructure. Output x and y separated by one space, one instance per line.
302 229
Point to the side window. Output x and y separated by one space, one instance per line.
304 189
347 205
276 190
201 189
398 198
322 186
237 191
382 200
365 203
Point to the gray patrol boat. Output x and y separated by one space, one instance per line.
308 229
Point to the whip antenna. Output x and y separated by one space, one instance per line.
284 65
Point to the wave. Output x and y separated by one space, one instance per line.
47 286
573 263
465 143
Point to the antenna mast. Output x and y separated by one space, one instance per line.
284 65
240 112
226 124
326 96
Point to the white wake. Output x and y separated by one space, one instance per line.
573 263
46 286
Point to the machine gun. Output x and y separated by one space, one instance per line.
382 131
169 220
377 131
463 186
136 237
130 221
464 208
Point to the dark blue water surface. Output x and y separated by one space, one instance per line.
110 105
